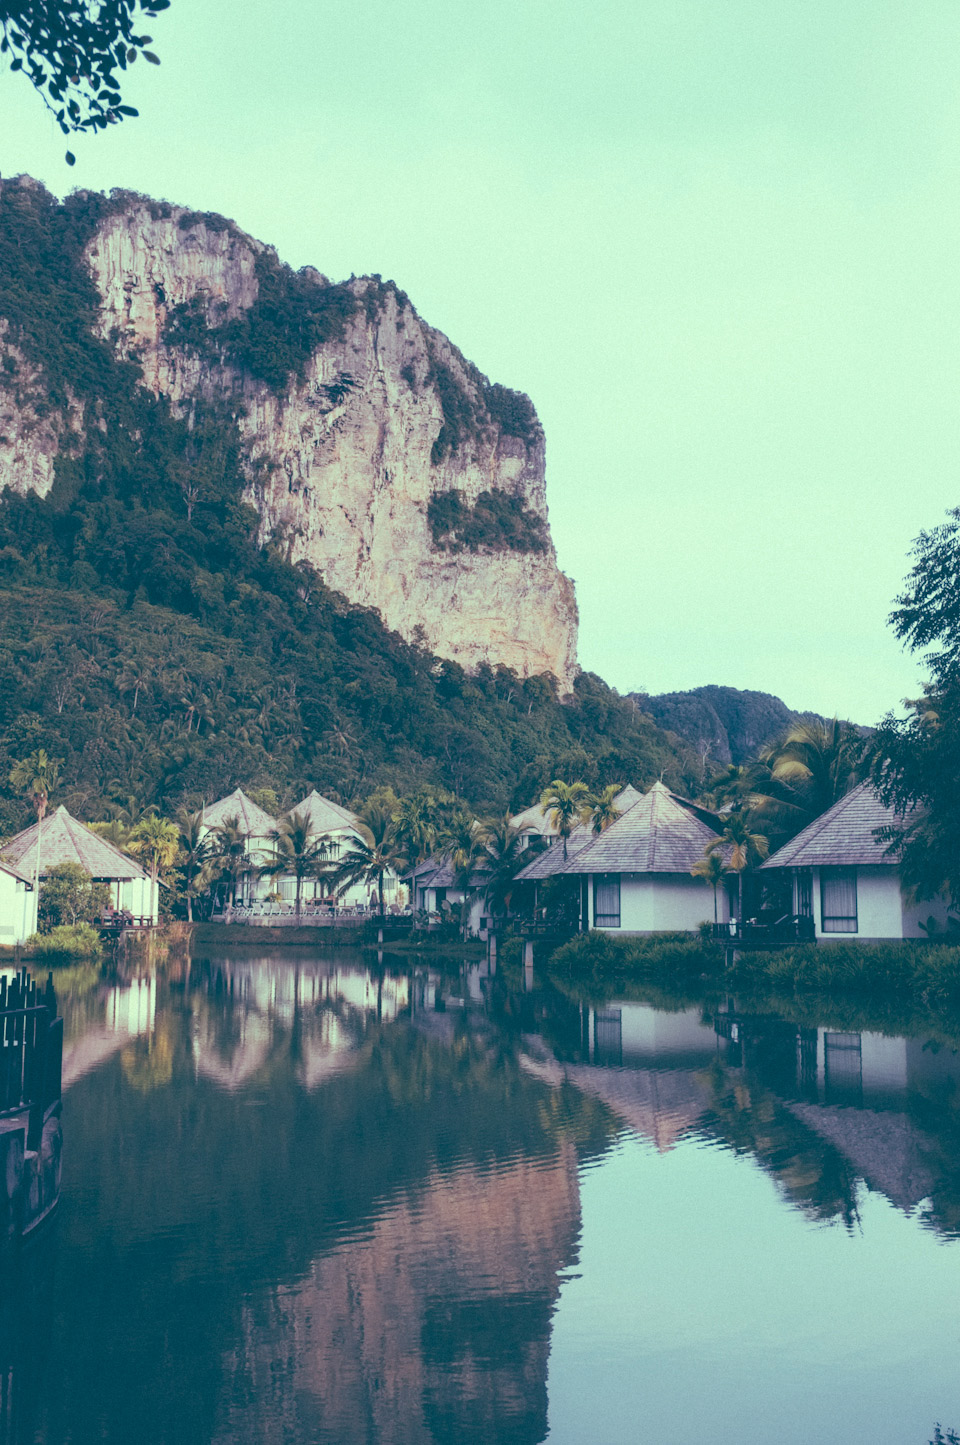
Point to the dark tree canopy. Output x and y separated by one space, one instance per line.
917 758
74 51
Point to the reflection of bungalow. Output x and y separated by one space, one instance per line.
18 905
64 840
635 877
844 878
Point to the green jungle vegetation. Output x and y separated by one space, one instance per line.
149 642
593 965
494 522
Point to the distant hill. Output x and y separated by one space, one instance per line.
724 724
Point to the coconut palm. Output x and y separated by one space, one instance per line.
415 826
37 776
814 766
230 852
194 851
157 841
711 869
378 851
603 807
504 847
463 846
742 850
566 805
300 852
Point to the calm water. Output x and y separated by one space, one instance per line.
307 1199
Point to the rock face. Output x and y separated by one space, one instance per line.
344 458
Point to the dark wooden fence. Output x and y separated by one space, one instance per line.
31 1049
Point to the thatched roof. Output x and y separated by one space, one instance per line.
657 835
64 840
254 822
843 836
326 816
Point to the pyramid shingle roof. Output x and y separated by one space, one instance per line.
656 835
535 818
325 815
65 840
843 836
253 820
6 867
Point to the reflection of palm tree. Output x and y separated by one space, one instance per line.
742 849
566 805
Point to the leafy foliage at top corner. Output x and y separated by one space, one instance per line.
151 642
73 55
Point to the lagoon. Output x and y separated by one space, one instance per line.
326 1198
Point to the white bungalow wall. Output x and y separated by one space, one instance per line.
663 902
18 910
882 909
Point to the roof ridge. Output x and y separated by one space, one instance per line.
816 826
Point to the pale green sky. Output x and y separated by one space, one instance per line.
716 242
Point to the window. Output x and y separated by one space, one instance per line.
838 899
608 1037
805 893
606 900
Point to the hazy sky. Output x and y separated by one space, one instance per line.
715 240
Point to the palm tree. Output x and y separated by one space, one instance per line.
566 805
367 858
711 869
37 776
603 807
299 851
415 825
231 851
742 849
195 850
814 766
463 846
507 855
157 841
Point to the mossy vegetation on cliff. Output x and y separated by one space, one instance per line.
495 522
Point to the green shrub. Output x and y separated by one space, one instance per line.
69 940
655 955
68 895
496 521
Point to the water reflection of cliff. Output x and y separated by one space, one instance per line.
321 1220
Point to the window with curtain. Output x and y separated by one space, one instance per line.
838 899
606 900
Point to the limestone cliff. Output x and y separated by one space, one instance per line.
344 454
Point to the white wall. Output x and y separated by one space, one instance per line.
136 896
881 910
648 1033
18 909
658 902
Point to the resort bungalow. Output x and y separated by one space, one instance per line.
537 825
433 886
257 828
635 877
64 840
18 905
846 881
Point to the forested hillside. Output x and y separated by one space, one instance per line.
722 724
148 640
